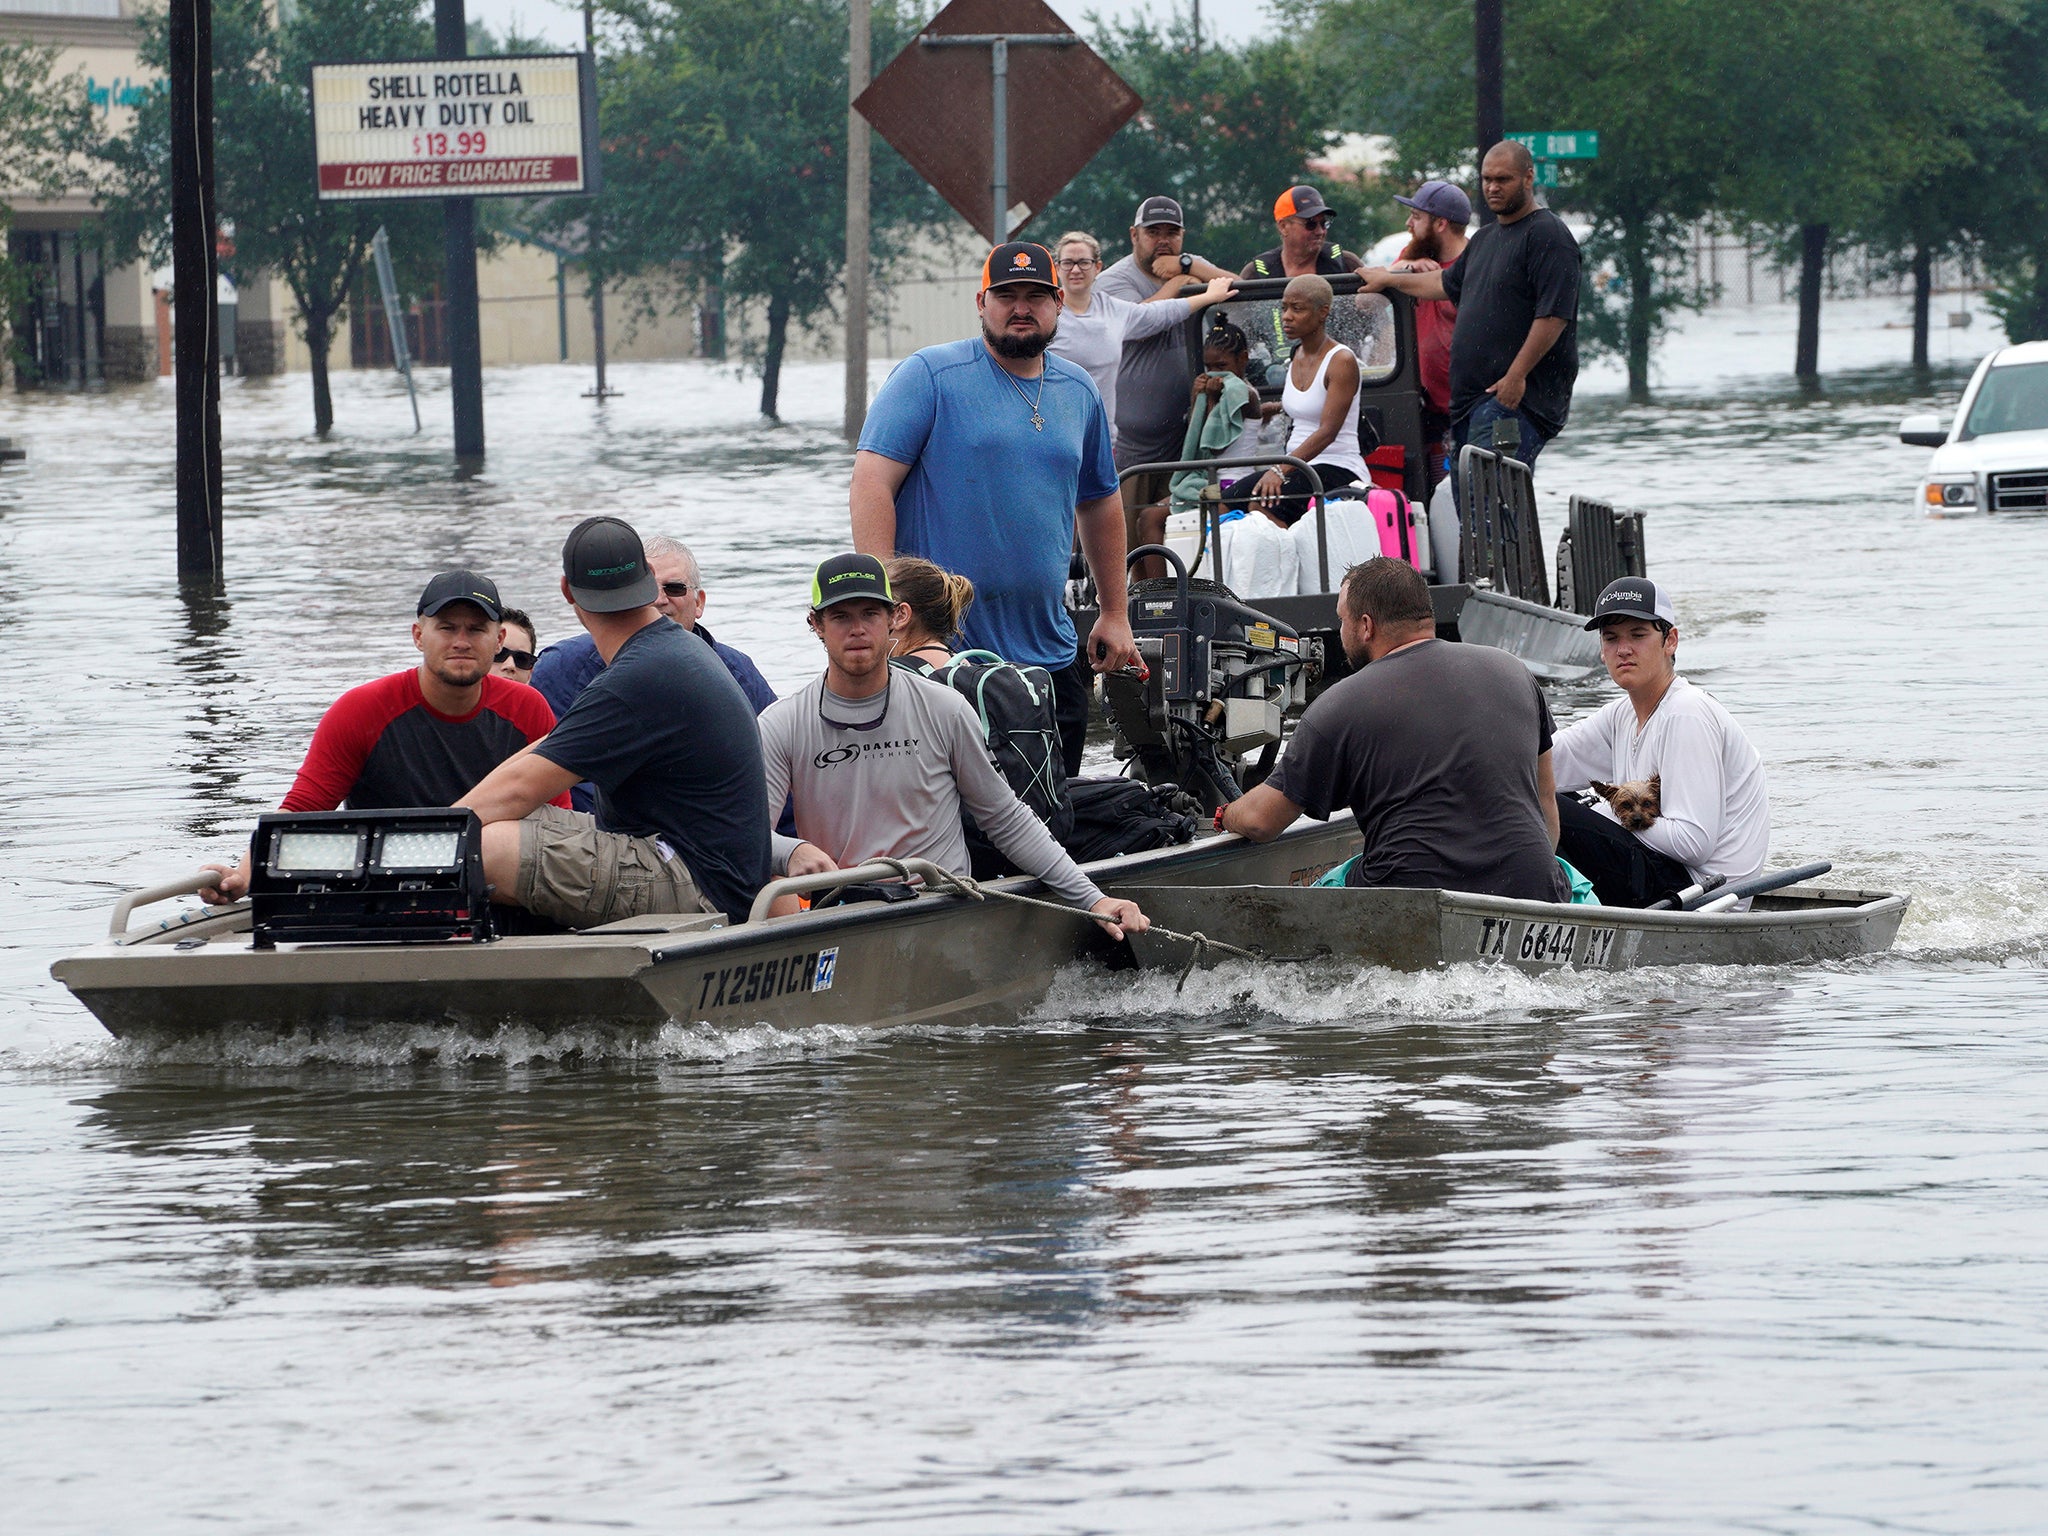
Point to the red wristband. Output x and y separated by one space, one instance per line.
1219 817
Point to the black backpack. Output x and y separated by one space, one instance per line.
1113 816
1015 706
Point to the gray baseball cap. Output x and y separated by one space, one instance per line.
1159 210
606 567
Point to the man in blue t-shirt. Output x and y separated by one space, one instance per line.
985 457
667 737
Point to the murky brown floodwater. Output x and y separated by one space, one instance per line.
1683 1251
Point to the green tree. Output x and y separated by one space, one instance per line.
724 136
2013 183
1223 131
45 121
263 159
1849 103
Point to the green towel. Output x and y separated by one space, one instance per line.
1582 888
1211 429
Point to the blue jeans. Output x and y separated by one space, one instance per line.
1477 429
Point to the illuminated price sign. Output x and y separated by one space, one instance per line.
480 127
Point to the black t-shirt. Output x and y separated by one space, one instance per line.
1331 261
670 742
1511 276
1434 748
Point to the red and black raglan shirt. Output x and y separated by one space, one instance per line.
383 746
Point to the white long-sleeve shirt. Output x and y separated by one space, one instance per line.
891 786
1095 341
1716 817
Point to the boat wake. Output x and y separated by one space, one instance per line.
392 1047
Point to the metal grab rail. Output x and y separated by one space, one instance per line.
1213 516
833 879
189 885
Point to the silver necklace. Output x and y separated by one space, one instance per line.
1037 421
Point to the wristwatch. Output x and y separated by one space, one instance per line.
1187 262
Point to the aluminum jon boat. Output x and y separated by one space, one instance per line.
1420 930
933 958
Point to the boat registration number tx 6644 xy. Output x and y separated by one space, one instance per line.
757 981
1532 943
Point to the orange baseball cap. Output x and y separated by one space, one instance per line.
1299 203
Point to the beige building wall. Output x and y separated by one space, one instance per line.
97 41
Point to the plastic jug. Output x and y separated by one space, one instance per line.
1348 528
1259 558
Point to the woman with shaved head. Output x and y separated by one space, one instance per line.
1321 399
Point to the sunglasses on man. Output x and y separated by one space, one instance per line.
675 588
523 660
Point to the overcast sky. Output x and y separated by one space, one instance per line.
562 23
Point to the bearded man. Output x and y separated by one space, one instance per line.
1438 214
986 456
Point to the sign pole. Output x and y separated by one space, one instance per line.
394 316
999 138
458 285
195 323
998 45
859 52
593 263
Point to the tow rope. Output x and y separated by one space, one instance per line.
1199 943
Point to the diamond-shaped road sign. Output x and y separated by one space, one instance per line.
936 105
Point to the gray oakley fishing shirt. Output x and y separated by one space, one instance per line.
891 782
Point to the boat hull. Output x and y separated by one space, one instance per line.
1418 930
937 958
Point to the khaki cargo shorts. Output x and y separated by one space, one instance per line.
573 873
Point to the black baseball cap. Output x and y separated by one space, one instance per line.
461 587
1159 210
1633 597
846 577
1020 261
606 567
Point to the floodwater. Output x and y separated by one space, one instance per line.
1675 1251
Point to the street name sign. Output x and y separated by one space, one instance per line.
498 126
937 106
1561 143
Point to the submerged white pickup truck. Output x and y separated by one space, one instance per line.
1994 457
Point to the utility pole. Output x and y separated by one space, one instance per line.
1488 50
458 282
593 263
858 61
195 276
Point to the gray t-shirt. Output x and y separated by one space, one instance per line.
1152 385
891 783
1434 748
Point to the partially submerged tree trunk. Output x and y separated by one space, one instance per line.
771 359
1813 261
1641 322
1923 302
319 326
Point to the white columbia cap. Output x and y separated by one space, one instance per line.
1634 597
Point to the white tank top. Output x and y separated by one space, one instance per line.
1304 408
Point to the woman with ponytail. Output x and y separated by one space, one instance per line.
937 600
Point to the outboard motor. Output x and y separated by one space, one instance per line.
1222 680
